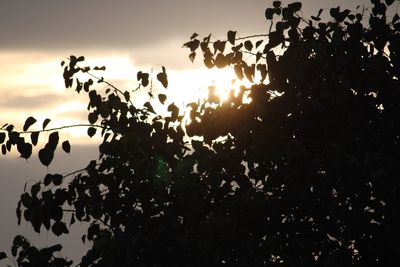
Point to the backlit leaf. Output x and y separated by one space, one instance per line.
162 98
28 123
231 37
46 156
91 131
45 123
2 137
3 255
66 146
162 77
34 138
59 228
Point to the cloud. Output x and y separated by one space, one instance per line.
49 24
22 102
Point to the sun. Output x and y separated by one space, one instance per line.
194 85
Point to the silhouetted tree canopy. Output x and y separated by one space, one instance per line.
303 173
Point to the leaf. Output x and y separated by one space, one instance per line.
99 68
143 77
395 18
28 123
47 179
192 56
3 255
192 45
194 35
34 138
248 45
276 4
162 77
389 2
231 37
221 61
18 212
9 128
2 137
149 107
315 18
219 45
66 146
127 96
53 140
57 179
92 117
72 221
91 131
35 189
294 7
162 98
25 149
46 156
59 228
269 13
239 71
45 123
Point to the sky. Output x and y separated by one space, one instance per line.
125 36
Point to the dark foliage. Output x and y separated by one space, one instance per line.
305 174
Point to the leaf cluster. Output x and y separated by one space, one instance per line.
303 174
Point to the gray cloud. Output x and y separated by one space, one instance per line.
49 24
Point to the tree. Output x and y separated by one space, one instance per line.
304 173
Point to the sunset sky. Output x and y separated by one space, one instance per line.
125 36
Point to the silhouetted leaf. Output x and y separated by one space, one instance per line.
59 228
162 98
2 137
25 149
92 117
192 56
47 179
389 2
35 189
66 146
34 138
57 179
269 13
239 71
2 255
192 45
45 123
294 7
9 128
162 77
28 123
127 96
276 4
248 45
99 68
219 46
54 137
194 35
395 18
46 156
149 107
91 131
231 37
